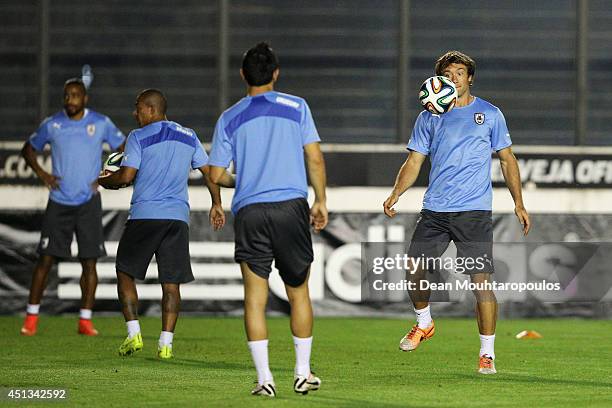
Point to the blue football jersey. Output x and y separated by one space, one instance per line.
459 144
164 153
265 137
76 152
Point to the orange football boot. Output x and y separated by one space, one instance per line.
486 365
86 327
29 325
412 340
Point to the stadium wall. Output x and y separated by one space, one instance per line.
560 214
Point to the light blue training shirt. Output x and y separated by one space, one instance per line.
459 144
76 152
265 137
164 153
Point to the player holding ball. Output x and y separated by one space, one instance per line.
158 158
458 201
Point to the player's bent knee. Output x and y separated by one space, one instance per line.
298 294
170 287
88 264
124 279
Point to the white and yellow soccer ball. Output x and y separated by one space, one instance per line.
438 95
112 163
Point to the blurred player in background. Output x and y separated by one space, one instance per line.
76 136
457 204
267 134
158 157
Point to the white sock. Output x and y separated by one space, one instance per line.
259 351
302 355
133 328
85 314
32 309
487 345
165 339
423 317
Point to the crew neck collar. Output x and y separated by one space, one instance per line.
468 105
85 112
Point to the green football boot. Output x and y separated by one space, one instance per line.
131 346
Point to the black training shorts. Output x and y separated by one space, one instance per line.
167 239
471 231
61 222
278 231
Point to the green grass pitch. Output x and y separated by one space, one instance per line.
357 358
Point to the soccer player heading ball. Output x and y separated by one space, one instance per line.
457 204
267 134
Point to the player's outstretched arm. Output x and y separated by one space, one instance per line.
512 175
119 179
318 179
29 154
406 177
216 215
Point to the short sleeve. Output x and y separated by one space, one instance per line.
500 136
221 152
308 128
112 135
200 158
41 137
133 152
420 138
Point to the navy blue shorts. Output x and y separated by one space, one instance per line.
61 222
471 231
278 231
168 240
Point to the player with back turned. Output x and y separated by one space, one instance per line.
458 201
76 136
158 158
270 137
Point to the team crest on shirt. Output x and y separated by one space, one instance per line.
91 129
479 118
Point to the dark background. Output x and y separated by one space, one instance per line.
342 56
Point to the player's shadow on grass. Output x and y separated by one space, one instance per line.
200 363
210 364
323 400
534 379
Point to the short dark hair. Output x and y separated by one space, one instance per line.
259 64
154 98
75 81
455 57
